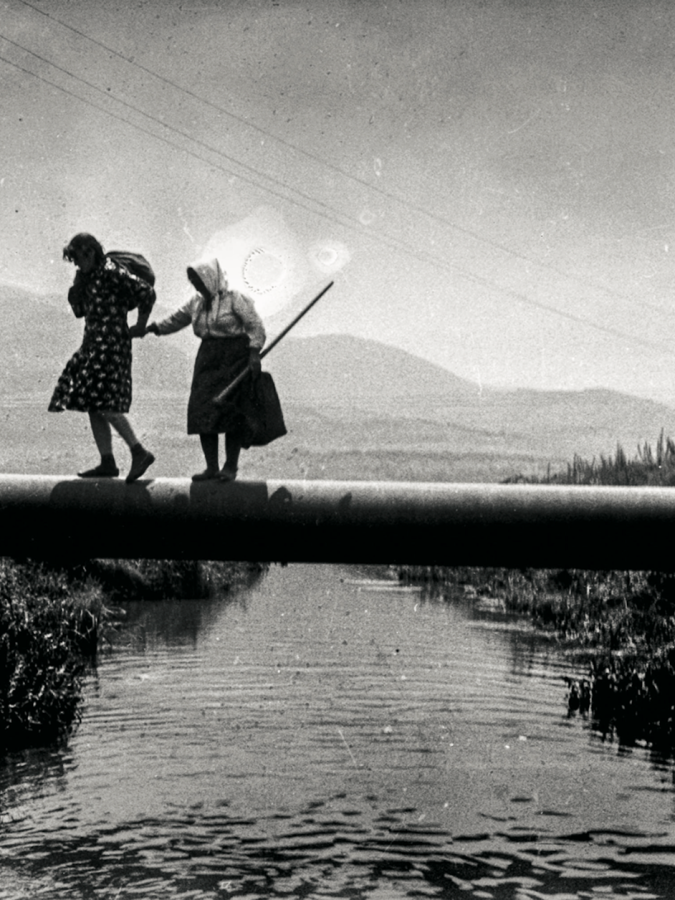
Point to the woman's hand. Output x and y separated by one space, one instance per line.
254 361
138 331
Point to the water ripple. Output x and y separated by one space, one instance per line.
333 738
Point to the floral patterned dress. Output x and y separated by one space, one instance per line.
98 375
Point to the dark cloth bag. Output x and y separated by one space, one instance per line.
261 411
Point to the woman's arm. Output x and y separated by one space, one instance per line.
180 319
76 295
253 324
141 293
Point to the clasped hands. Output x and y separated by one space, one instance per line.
139 330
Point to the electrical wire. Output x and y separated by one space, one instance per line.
372 188
328 211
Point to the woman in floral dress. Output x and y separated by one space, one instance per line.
97 378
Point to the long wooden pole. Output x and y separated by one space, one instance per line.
225 393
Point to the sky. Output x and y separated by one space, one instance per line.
489 185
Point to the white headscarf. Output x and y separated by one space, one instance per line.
212 277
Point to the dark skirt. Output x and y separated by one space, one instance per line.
252 412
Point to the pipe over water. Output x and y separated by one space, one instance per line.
514 526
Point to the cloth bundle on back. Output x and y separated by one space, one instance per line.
134 263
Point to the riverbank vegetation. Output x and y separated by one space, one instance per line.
625 621
54 618
651 466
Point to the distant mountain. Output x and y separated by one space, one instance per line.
590 423
33 331
356 407
345 370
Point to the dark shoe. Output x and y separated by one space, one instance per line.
140 463
206 475
103 470
227 473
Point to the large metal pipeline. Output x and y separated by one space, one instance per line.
515 526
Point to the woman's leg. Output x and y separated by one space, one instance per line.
141 459
100 428
232 451
209 444
123 427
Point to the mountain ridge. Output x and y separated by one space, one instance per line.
350 404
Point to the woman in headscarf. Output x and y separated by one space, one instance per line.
232 336
97 378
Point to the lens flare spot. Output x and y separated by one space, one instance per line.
328 257
262 271
262 258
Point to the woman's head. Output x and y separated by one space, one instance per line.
85 251
207 278
197 283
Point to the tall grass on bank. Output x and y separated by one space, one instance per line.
626 620
652 466
45 640
153 579
52 620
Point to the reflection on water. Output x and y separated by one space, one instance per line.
322 734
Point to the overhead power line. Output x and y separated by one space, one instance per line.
327 164
324 211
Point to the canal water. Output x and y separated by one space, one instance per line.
327 733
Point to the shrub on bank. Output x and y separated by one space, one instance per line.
45 639
626 618
51 622
153 579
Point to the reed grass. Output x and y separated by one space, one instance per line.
53 619
652 466
45 640
152 579
626 620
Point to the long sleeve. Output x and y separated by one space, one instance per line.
143 292
180 319
76 298
251 321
